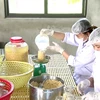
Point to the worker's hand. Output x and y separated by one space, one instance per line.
47 32
83 85
91 96
56 48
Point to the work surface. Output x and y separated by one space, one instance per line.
57 66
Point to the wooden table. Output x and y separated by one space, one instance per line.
57 66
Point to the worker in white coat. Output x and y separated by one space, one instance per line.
94 79
85 53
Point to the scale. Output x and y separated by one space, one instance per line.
42 42
40 66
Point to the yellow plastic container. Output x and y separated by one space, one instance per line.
17 72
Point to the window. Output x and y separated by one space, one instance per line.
45 8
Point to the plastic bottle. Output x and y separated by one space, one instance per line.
42 41
16 49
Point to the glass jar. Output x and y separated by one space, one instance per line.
16 49
69 92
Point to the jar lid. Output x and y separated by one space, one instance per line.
16 39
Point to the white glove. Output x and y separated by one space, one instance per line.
47 32
91 96
56 48
83 85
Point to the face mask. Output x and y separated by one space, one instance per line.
97 54
79 40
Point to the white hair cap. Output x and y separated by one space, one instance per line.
95 36
81 26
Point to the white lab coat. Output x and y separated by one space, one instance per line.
83 61
96 73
